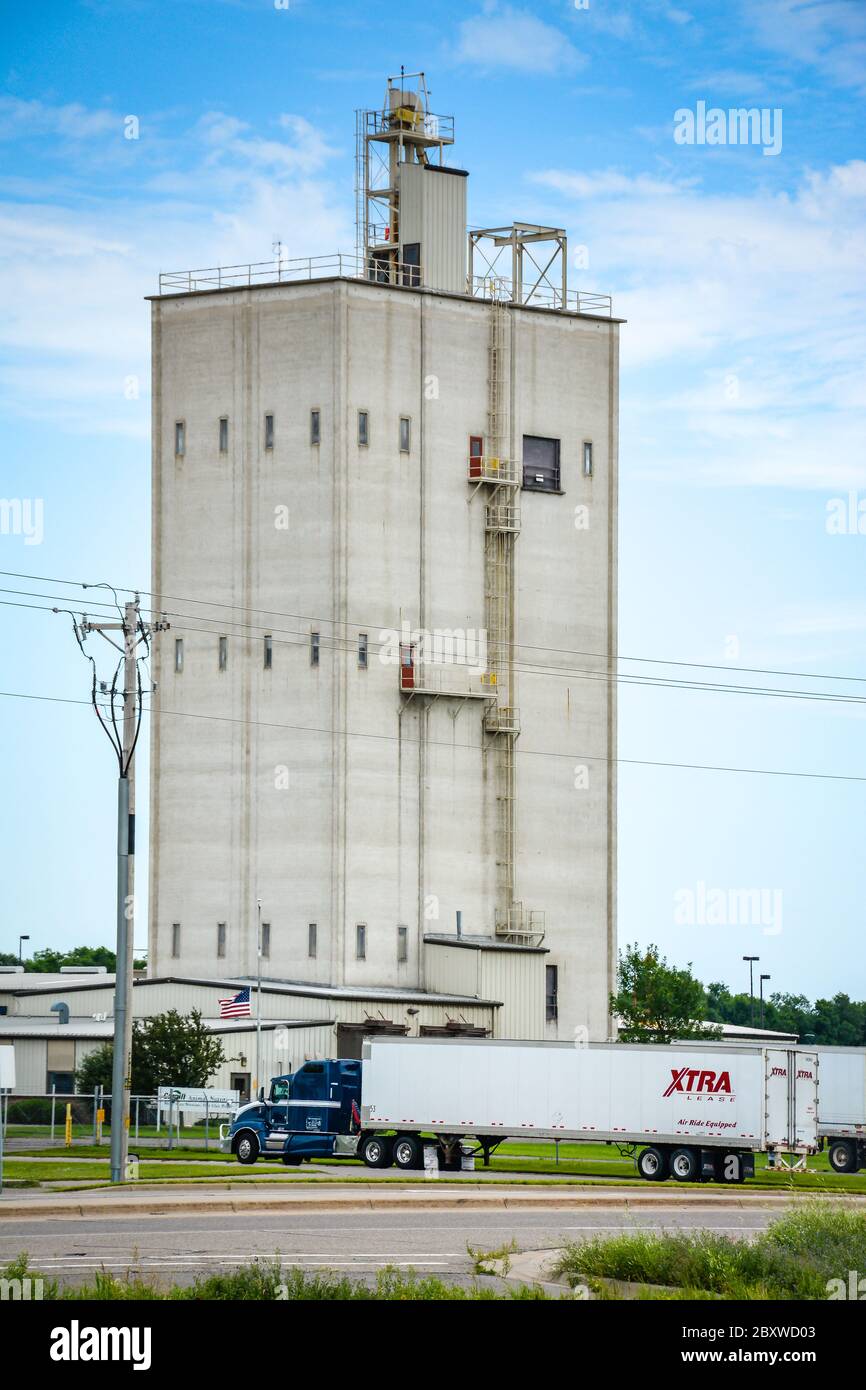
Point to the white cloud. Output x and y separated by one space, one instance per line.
742 355
516 40
829 35
74 273
19 119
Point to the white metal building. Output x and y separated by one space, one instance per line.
384 535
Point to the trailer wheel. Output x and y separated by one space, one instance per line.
652 1164
843 1156
407 1151
376 1151
246 1147
685 1165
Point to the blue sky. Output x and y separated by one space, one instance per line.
742 407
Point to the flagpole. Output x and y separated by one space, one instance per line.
258 995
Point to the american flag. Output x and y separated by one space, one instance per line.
236 1007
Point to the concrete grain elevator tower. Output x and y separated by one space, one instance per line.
384 533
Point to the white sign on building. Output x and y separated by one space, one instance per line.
7 1068
198 1100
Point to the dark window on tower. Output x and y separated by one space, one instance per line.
540 463
402 944
363 428
178 654
551 991
314 648
312 943
361 941
362 650
412 263
175 939
266 940
269 431
405 434
221 939
315 427
223 653
587 458
180 438
269 653
224 434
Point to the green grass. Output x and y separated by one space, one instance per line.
264 1281
793 1259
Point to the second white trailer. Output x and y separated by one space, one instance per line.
842 1106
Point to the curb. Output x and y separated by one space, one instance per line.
414 1197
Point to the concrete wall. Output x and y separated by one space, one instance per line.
318 789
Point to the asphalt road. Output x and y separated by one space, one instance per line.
177 1248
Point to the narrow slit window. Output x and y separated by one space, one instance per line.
269 653
402 945
315 427
360 941
269 431
223 653
266 940
178 654
224 434
221 940
405 434
175 939
551 993
363 428
363 650
314 648
587 458
312 942
179 439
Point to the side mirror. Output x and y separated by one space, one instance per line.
261 1093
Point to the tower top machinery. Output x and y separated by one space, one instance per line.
410 207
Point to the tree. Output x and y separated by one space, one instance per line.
49 961
657 1003
167 1050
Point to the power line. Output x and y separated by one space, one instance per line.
576 758
525 668
366 626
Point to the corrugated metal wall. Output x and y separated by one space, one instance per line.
516 978
433 212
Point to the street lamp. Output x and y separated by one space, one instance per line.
763 978
751 960
20 939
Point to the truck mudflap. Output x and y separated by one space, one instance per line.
346 1145
225 1139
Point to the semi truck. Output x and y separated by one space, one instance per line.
842 1107
693 1114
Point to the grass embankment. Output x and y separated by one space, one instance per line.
592 1164
795 1258
263 1281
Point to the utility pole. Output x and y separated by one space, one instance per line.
258 996
751 960
134 633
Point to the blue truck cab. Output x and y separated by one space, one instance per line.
314 1112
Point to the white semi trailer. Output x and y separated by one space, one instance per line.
686 1112
842 1106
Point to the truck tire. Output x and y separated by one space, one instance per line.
843 1156
292 1160
407 1151
685 1165
652 1164
376 1151
246 1147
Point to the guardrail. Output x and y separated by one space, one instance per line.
376 268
